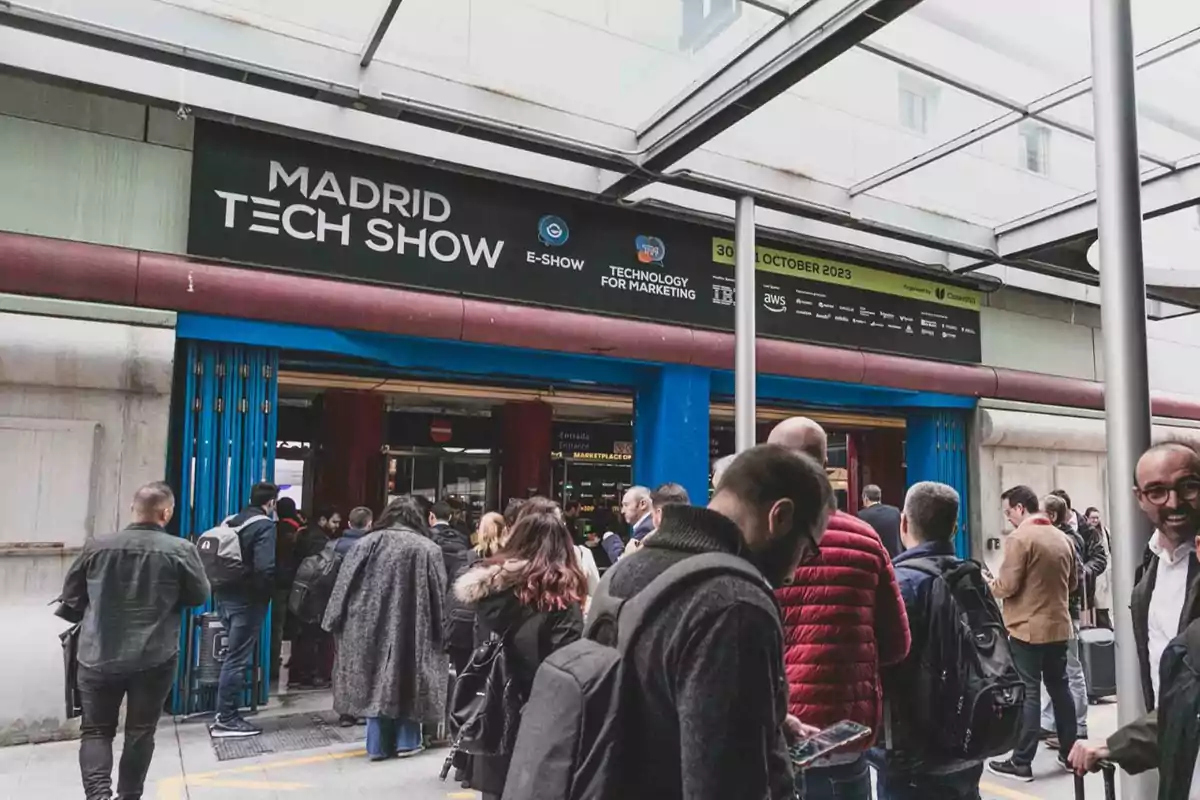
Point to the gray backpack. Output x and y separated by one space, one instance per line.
220 550
574 726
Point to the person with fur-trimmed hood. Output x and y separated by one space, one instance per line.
531 594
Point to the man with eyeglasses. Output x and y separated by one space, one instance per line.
1165 597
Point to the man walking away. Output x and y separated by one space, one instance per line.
883 518
456 547
707 664
1166 594
128 589
909 768
1035 583
636 507
242 606
844 619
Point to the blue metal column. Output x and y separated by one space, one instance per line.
228 403
670 429
936 450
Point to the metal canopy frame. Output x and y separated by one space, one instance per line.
229 69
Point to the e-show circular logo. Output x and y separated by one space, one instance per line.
553 231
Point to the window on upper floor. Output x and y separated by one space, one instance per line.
918 100
1035 147
704 20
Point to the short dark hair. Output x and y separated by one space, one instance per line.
1088 513
360 518
263 493
1022 495
670 494
442 510
872 493
1062 493
286 508
152 498
763 475
932 511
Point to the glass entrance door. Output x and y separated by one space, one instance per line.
438 475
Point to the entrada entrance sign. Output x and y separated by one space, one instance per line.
268 200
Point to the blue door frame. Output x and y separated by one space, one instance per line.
671 415
225 443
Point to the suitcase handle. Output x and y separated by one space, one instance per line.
1110 782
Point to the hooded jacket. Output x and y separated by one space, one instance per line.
530 636
490 590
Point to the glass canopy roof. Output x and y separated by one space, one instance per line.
957 134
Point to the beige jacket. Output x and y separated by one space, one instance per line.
1035 582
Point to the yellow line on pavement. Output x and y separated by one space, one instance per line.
461 795
172 788
280 786
1004 791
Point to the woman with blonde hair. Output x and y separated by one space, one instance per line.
490 535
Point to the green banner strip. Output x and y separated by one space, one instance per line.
797 265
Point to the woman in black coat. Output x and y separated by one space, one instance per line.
531 594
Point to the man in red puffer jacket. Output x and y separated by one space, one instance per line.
843 618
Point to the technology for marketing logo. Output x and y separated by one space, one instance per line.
650 250
553 231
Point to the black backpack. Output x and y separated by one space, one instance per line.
966 699
313 586
575 727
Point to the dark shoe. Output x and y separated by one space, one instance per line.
1007 769
233 728
347 720
1062 762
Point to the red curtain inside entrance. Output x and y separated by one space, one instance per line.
525 441
349 464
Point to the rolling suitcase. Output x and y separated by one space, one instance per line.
1110 783
1097 656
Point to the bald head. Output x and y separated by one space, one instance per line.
153 504
802 434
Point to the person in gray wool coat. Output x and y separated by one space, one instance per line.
386 615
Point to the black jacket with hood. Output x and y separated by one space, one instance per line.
530 635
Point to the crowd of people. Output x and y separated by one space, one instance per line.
803 617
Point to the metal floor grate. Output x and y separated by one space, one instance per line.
289 733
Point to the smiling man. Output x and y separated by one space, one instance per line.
1166 593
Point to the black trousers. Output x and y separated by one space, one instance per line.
102 695
1038 663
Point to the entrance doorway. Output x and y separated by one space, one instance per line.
465 477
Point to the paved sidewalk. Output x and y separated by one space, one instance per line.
186 768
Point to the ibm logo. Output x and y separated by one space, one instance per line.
723 295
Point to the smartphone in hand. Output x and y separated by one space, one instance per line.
827 741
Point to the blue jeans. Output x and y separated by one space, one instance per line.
387 737
850 781
243 622
962 785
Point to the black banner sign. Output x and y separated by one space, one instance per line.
269 200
